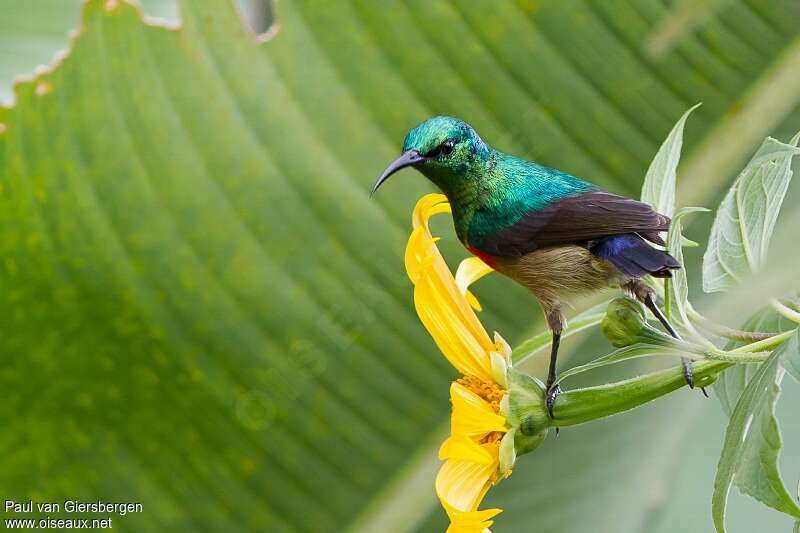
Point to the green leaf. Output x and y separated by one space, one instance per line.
730 384
683 16
658 189
753 441
677 287
746 217
34 33
31 36
200 299
688 492
688 243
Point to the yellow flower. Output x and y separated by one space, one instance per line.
472 453
473 416
471 522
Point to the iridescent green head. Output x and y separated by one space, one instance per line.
446 150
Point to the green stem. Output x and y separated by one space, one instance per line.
582 405
725 331
786 312
736 357
766 344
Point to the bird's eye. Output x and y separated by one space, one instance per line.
447 147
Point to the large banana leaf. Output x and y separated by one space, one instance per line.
204 312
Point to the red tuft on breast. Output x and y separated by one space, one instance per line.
486 258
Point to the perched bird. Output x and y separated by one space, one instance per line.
554 234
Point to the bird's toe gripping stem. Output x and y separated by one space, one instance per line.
647 298
687 375
550 398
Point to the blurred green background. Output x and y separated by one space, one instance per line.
203 311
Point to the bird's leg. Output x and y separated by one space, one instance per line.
645 294
556 322
553 391
685 363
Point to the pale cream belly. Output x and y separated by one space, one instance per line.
554 274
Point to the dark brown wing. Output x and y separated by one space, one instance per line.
575 220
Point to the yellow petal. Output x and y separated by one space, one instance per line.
465 449
472 521
472 416
443 307
415 253
469 271
454 302
457 343
473 302
427 206
461 485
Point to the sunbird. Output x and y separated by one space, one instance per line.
556 235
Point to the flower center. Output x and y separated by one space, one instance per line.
493 438
491 392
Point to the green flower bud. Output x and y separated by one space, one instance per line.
624 320
524 410
625 324
527 443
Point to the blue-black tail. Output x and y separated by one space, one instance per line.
634 257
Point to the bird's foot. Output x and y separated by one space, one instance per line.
687 375
550 398
686 364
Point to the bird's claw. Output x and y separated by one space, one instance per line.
550 399
686 364
687 375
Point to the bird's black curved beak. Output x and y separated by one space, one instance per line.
410 157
